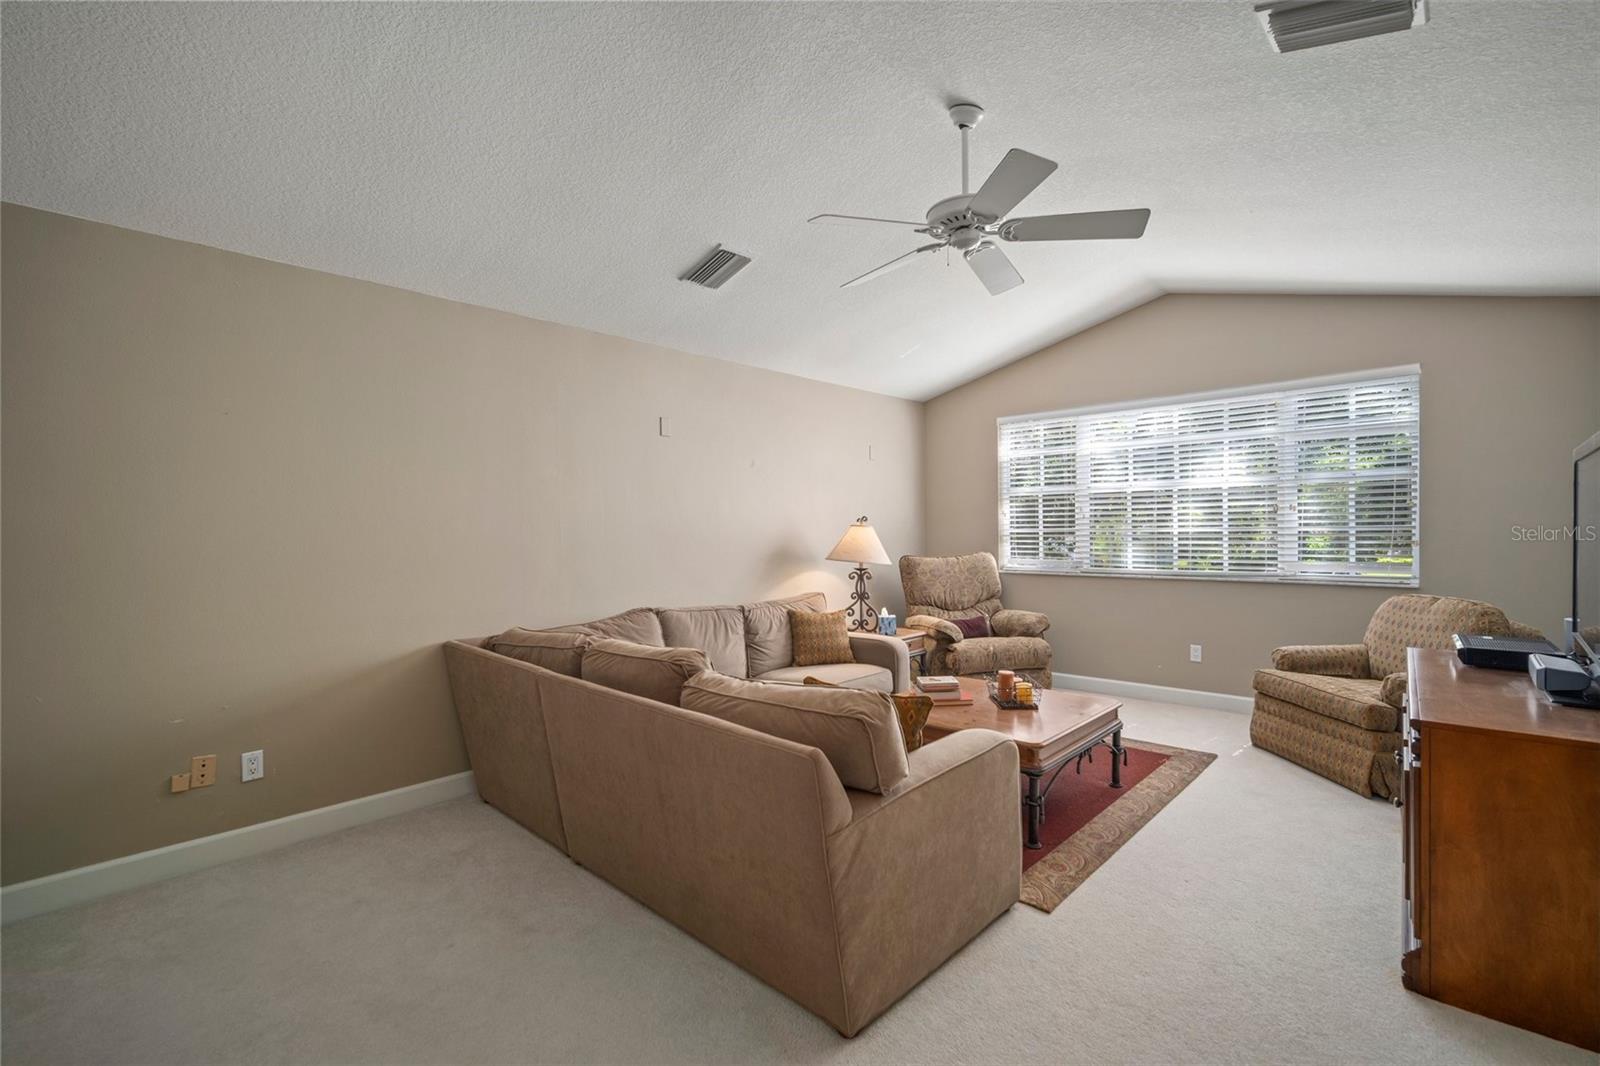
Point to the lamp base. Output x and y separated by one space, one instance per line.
862 617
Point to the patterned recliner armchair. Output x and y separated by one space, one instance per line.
940 589
1335 708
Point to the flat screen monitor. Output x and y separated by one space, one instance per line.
1586 549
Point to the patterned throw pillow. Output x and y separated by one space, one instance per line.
820 638
913 710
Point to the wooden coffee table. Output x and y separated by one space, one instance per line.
1067 726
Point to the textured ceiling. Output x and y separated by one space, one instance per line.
569 161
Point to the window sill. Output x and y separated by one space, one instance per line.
1301 582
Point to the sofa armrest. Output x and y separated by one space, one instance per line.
1009 623
1394 690
1331 660
890 653
931 763
938 628
918 873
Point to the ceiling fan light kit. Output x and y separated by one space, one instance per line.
972 222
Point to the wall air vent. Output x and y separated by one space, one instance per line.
1295 24
716 268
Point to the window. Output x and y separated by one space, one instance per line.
1306 481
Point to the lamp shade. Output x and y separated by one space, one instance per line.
860 544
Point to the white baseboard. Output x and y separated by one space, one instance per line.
28 898
1188 697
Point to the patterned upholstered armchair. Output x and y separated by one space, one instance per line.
939 590
1335 708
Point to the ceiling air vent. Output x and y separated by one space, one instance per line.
716 268
1295 24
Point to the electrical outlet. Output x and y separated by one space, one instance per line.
1194 653
180 782
252 765
202 771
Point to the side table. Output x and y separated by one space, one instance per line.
916 641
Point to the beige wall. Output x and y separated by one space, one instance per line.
1509 388
244 503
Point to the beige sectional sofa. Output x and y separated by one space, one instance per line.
752 640
727 815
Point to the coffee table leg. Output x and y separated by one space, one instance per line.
1119 755
1034 806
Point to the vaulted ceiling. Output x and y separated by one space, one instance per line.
569 161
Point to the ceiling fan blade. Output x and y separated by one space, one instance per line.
1018 174
851 220
893 264
993 268
1083 226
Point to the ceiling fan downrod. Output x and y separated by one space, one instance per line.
965 116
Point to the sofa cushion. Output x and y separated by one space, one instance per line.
654 673
845 675
551 649
767 643
984 655
637 626
1355 700
717 631
858 731
820 638
912 708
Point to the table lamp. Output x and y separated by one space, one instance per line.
860 545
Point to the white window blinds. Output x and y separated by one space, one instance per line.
1306 481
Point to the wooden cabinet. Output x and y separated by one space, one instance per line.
1501 794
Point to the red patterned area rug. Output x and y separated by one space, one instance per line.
1086 820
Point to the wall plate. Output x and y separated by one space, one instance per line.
252 765
202 771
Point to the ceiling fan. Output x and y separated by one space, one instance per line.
969 223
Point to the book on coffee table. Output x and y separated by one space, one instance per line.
938 683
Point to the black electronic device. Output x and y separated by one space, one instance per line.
1500 653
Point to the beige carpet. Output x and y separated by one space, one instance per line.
1254 920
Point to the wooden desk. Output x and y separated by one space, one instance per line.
1502 849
